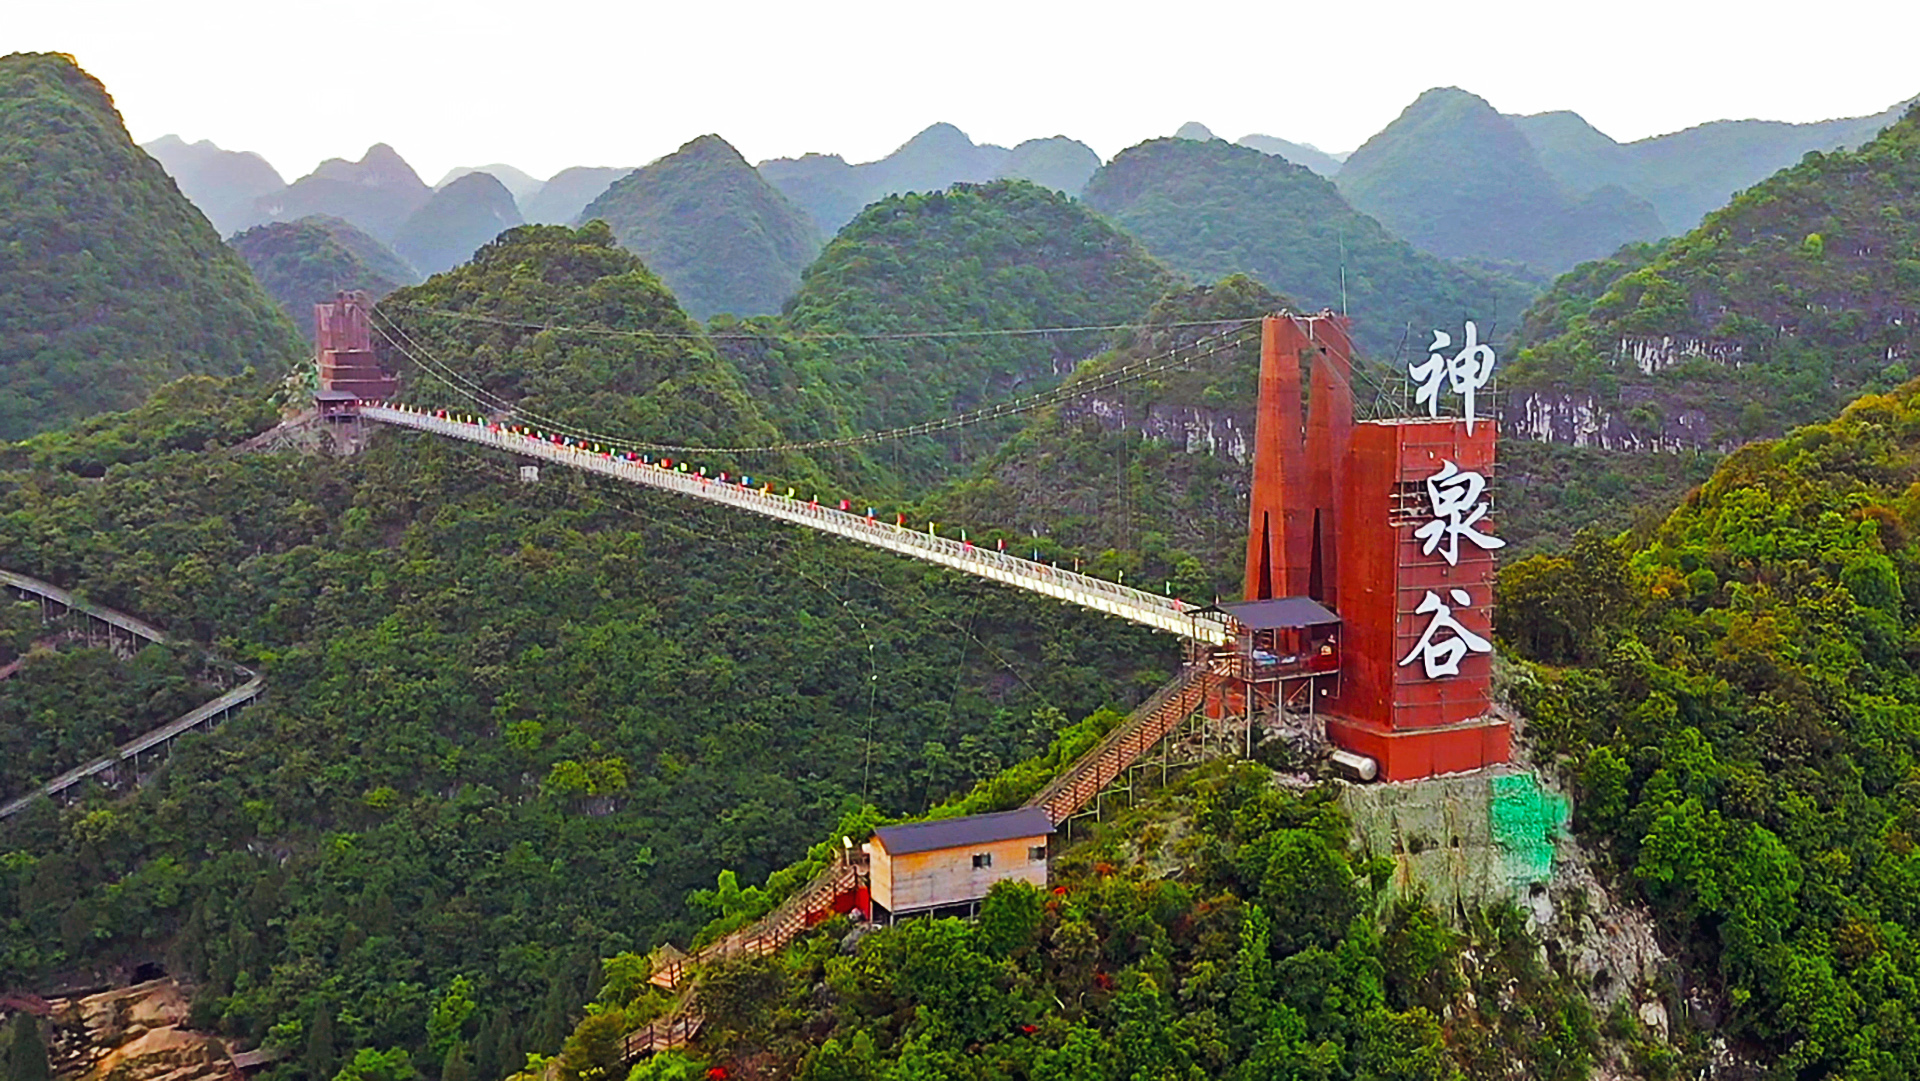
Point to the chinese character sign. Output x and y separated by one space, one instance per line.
1445 642
1454 494
1455 497
1464 373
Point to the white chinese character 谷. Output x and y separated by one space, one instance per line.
1455 495
1464 372
1442 657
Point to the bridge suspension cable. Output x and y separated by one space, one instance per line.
491 402
805 335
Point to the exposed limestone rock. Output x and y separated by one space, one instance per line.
1217 432
136 1033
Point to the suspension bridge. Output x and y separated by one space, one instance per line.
1328 518
1226 675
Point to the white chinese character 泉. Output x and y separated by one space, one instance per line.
1464 372
1455 495
1442 657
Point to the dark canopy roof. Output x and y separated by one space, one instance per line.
335 396
962 832
1279 612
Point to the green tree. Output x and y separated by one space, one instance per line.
1011 917
25 1050
320 1057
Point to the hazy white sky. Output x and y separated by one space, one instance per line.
543 84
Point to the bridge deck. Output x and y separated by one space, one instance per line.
1134 605
46 590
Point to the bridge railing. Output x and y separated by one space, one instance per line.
1135 605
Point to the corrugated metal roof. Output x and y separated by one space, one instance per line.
1280 612
962 832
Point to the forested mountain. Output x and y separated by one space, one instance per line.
303 263
514 180
1004 256
111 283
1738 706
377 193
1058 162
458 218
1456 178
1211 209
224 184
1779 308
646 387
1298 153
1195 130
833 191
512 725
717 233
1687 173
567 192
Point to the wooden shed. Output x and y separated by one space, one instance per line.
924 866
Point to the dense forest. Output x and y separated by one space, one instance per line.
111 283
1734 694
1005 256
303 263
1272 955
720 236
511 726
1210 209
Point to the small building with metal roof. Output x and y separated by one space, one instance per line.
952 862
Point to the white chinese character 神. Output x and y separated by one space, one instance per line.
1464 372
1455 495
1442 657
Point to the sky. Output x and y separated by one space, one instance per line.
551 83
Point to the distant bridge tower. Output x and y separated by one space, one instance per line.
349 371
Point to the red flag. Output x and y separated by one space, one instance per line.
844 505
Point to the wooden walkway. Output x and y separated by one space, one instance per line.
129 752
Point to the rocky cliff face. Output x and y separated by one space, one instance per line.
136 1033
1220 432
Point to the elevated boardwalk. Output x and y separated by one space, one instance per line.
129 752
1136 606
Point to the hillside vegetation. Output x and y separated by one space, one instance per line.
512 726
1148 479
1211 209
1456 178
461 216
1737 705
224 184
1271 955
377 193
1005 256
720 236
111 283
1796 297
833 191
303 263
1687 174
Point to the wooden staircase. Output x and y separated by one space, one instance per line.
1154 720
